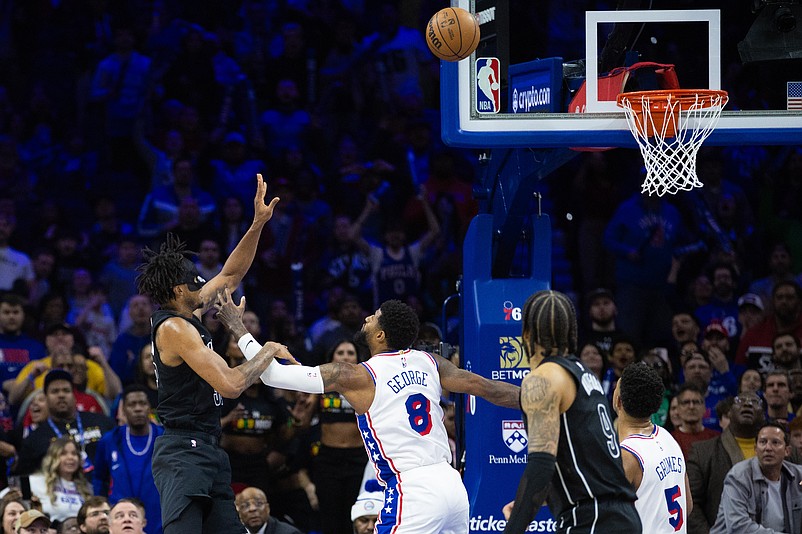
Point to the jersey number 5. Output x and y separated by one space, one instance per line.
676 520
418 411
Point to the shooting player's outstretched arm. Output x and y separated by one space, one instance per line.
241 258
459 380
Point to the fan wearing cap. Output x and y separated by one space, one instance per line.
191 471
365 511
750 311
63 419
32 522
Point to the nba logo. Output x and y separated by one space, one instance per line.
488 85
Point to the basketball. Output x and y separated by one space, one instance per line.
452 34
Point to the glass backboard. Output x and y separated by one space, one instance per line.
544 51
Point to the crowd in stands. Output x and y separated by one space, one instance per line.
123 121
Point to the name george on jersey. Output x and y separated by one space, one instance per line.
669 464
407 378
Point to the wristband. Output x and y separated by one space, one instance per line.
249 346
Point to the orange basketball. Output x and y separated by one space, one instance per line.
452 33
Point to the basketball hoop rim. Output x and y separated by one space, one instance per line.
659 99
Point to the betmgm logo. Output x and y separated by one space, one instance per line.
512 359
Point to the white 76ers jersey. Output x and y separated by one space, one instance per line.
661 495
403 428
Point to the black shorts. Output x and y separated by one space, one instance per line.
601 516
190 466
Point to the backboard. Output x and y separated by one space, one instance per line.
543 51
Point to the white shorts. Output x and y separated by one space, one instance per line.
425 500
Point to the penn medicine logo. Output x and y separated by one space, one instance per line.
514 435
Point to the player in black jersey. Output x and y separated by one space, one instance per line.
191 471
574 459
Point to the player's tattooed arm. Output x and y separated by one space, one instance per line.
541 404
343 377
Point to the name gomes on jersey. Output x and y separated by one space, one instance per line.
493 524
669 464
407 378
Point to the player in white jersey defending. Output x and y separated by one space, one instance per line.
653 461
396 395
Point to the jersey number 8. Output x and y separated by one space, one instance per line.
420 419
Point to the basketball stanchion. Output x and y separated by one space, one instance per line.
670 127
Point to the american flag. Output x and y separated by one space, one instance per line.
794 96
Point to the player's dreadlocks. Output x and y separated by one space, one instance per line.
641 390
550 319
400 324
162 271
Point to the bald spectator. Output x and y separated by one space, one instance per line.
127 517
254 512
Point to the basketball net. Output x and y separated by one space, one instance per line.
670 127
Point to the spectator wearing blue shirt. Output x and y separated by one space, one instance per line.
123 458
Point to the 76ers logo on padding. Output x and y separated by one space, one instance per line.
514 435
488 85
